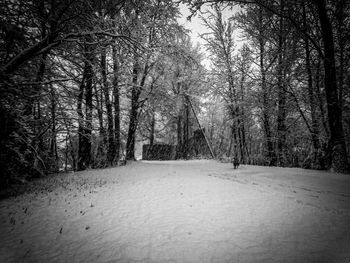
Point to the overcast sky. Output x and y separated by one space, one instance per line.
196 26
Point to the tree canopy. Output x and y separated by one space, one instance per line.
84 84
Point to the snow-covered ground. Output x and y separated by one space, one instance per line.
180 211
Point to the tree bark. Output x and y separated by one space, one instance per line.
152 131
34 107
265 103
80 165
89 105
102 142
320 96
186 127
53 141
135 94
110 128
135 107
179 145
116 104
229 152
314 129
85 126
337 140
281 115
341 24
99 108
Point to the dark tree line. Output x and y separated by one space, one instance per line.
82 82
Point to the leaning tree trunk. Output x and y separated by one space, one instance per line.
337 141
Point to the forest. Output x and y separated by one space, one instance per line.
85 83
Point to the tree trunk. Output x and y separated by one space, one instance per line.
245 151
135 108
102 141
53 141
186 134
337 140
314 122
35 108
69 137
80 165
110 130
152 131
229 150
222 137
116 104
135 94
340 16
281 115
99 108
179 145
320 99
89 105
85 137
239 132
265 107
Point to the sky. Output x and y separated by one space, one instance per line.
197 27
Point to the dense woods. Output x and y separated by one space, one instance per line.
83 84
286 89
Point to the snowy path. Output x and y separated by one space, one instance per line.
181 211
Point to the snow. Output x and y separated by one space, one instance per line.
180 211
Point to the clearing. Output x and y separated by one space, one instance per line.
180 211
